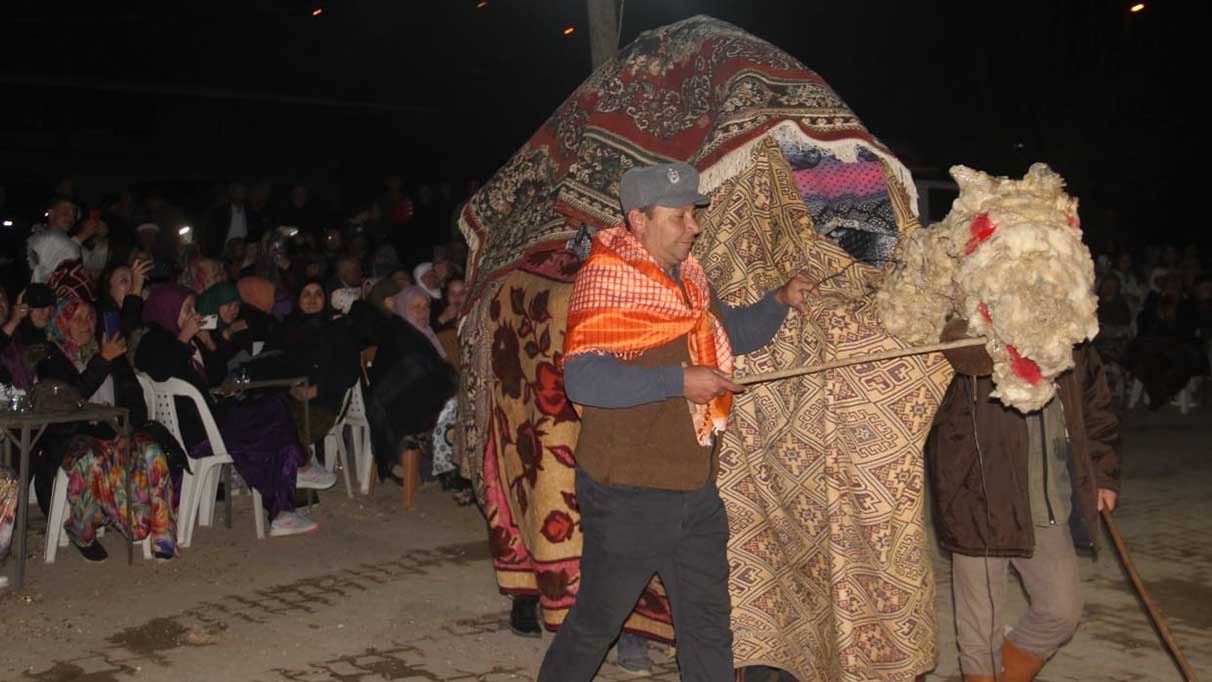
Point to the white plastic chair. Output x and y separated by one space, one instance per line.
334 444
56 534
1184 400
353 415
198 489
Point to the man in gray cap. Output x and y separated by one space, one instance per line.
645 340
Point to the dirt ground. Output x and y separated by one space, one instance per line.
380 594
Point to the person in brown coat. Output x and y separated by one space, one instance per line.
1007 489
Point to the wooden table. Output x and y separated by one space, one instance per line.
23 429
231 388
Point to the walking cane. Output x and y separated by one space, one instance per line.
856 360
1155 615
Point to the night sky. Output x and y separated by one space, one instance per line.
182 94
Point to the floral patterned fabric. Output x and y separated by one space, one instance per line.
528 476
96 491
443 438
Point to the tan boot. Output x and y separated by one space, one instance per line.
1019 665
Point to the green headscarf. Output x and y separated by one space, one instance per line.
216 296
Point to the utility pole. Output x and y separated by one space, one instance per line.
603 29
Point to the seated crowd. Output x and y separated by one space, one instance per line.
1155 321
96 313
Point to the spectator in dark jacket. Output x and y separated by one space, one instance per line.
316 347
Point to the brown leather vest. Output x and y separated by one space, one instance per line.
651 445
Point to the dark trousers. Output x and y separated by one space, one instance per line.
630 534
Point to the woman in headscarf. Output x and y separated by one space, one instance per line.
202 274
258 431
322 350
410 382
221 346
426 277
95 457
413 305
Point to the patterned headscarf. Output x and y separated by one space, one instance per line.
202 274
71 279
58 332
400 306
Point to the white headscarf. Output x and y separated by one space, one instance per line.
419 272
400 304
47 250
343 299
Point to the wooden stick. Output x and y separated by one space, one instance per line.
1151 608
856 360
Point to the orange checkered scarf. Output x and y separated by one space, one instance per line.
624 304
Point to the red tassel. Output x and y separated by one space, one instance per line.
1074 221
984 311
1024 368
980 230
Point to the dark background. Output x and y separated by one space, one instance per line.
184 96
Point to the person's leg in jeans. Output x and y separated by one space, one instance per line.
979 590
619 557
696 578
632 653
1051 579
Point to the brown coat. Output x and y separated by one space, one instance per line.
966 523
651 445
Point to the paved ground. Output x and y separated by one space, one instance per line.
383 595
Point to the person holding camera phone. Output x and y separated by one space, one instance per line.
120 303
223 333
94 457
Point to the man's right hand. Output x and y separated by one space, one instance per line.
701 384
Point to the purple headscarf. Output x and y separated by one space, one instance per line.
163 306
399 304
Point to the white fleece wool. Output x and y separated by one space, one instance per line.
1032 274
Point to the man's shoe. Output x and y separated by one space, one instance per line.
632 654
315 478
291 523
524 617
1019 665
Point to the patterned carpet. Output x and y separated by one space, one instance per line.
823 474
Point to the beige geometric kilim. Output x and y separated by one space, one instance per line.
822 475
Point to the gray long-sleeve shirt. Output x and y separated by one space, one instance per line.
602 380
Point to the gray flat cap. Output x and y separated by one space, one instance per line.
670 185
